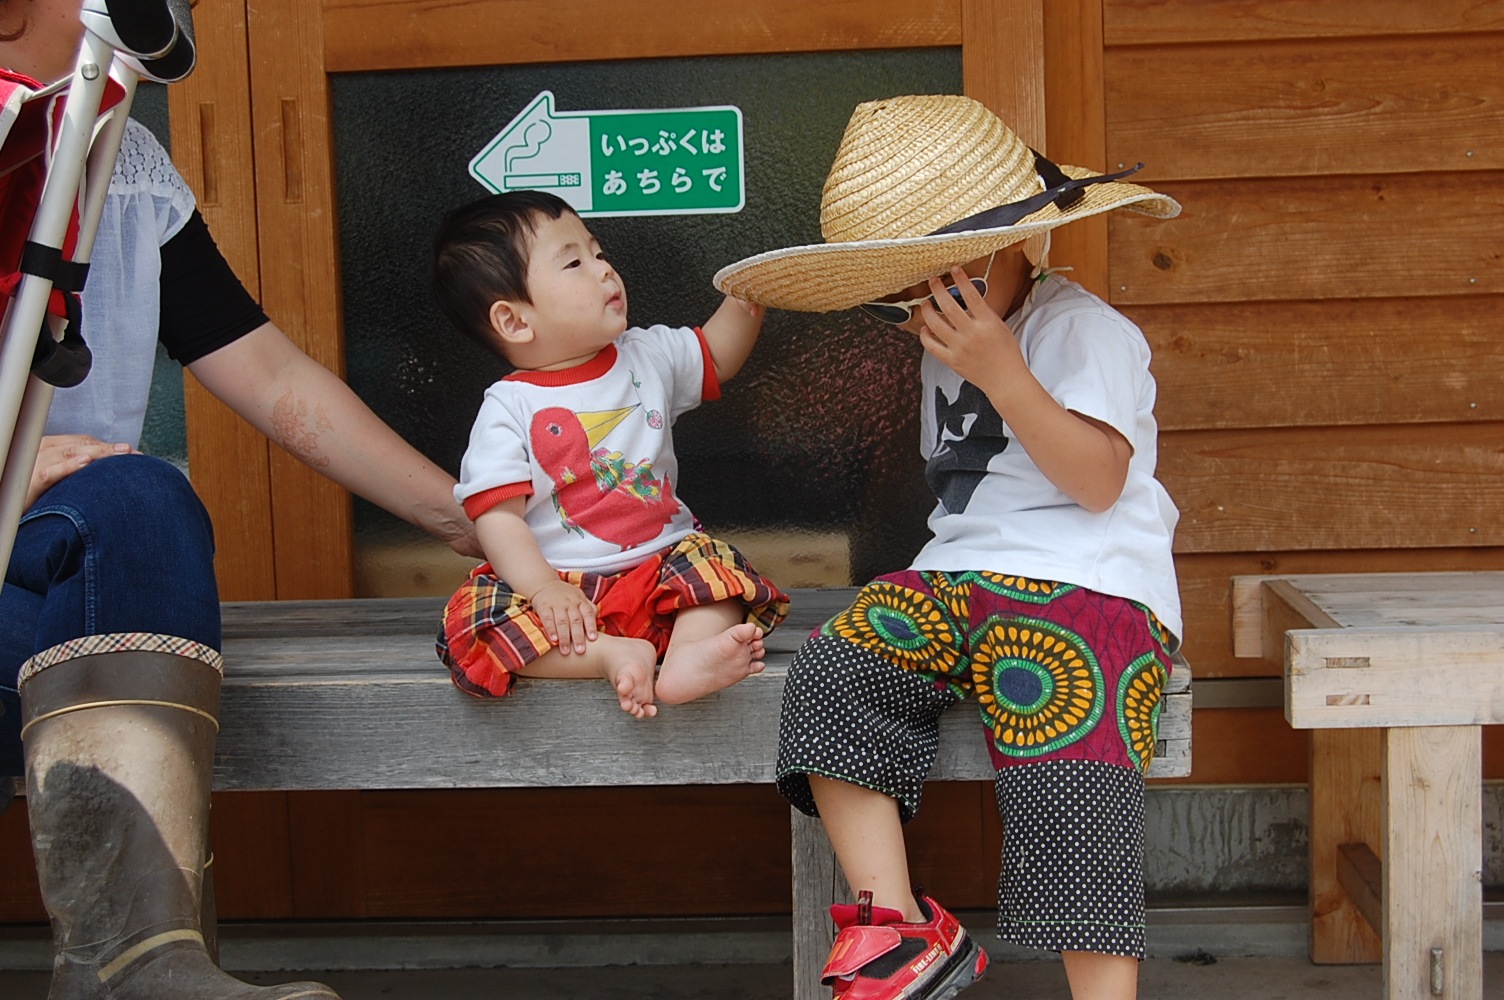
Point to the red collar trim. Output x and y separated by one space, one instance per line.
592 369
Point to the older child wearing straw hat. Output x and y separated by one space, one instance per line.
1047 589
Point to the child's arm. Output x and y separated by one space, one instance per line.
731 334
1086 459
568 616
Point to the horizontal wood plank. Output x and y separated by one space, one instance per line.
1388 236
1377 487
1206 591
300 712
1327 106
382 34
1237 746
1382 677
1161 22
1342 361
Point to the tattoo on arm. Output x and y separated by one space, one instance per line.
297 429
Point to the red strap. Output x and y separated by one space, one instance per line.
854 947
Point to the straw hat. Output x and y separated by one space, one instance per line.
920 184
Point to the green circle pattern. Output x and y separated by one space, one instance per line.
1073 696
903 626
1139 699
1021 588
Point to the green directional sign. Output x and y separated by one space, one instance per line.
666 161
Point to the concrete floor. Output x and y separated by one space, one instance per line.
1196 953
1276 978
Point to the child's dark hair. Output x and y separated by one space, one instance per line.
480 255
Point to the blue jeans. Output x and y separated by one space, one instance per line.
122 545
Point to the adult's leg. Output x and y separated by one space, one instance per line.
120 755
113 570
122 545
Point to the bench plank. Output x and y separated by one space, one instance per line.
325 695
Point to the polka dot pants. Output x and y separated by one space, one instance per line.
852 715
1072 872
1073 857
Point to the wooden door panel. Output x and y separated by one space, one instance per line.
380 35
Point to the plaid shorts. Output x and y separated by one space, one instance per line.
489 632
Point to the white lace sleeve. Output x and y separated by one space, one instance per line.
143 168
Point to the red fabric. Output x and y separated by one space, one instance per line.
489 633
483 501
854 947
594 368
23 170
710 386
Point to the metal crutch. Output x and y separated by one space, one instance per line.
123 40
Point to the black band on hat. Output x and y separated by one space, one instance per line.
1060 190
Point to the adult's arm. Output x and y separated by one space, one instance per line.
306 409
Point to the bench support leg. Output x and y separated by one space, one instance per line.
818 883
1433 863
1346 809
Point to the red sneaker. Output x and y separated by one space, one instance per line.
876 956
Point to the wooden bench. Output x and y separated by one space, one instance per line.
1394 674
327 695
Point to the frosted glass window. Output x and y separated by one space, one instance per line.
809 462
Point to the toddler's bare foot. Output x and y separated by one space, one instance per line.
698 668
629 665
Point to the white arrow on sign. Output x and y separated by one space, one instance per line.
645 161
543 150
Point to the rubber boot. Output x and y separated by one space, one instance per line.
119 759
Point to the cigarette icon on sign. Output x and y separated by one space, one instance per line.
514 181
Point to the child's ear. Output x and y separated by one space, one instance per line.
508 323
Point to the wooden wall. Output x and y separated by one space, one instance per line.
1325 317
1326 314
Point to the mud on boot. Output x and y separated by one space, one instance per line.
119 753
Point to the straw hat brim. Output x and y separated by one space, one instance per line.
825 277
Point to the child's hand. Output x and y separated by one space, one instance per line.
973 341
568 616
752 309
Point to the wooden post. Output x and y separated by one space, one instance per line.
818 883
1002 61
1433 825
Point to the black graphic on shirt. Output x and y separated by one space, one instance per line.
968 433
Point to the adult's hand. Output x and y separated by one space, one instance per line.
61 455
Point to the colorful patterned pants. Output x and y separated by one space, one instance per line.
1067 684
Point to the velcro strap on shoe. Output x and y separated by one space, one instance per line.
855 947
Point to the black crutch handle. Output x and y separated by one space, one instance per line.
63 363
